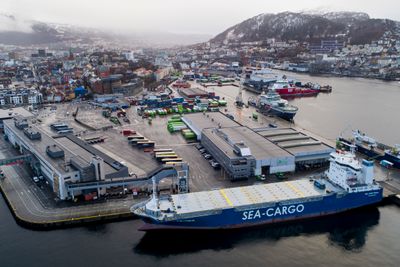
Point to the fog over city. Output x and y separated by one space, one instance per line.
177 16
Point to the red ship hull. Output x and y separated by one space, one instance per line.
295 91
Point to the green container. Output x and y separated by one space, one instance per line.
174 120
222 102
189 137
176 117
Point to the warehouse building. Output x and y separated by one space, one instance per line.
307 150
63 160
244 153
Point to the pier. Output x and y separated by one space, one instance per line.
33 206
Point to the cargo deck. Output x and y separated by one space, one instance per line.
247 196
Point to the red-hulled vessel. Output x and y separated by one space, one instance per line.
287 89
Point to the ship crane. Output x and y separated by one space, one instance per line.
239 97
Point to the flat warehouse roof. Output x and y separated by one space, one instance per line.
244 196
209 120
40 145
71 149
277 132
295 142
82 153
260 147
5 113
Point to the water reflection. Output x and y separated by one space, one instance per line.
347 231
97 228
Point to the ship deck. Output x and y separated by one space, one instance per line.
245 196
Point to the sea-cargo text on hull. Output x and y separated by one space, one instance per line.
272 212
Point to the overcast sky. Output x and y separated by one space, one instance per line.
179 16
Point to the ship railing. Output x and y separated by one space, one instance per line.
383 147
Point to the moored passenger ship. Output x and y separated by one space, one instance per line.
348 184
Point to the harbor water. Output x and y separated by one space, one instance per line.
366 237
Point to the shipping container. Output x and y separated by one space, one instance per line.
131 137
158 150
160 154
146 143
127 132
161 157
135 141
171 160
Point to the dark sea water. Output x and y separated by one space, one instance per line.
366 237
372 106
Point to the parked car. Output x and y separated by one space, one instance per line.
202 150
215 165
273 125
198 146
35 179
207 156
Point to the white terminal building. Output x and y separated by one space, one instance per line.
66 162
244 152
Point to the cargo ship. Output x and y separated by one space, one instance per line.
370 147
348 184
272 103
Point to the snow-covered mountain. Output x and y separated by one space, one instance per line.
16 31
356 27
